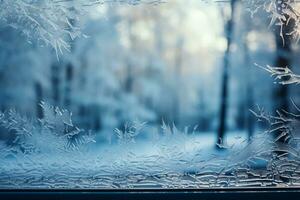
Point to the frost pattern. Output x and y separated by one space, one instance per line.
282 75
281 13
56 130
130 131
53 153
51 22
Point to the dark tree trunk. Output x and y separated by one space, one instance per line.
283 59
68 87
177 76
249 91
55 82
83 115
97 117
129 78
250 118
250 102
229 28
39 97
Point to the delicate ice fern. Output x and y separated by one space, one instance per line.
130 132
51 22
18 130
286 123
169 164
281 12
282 75
59 122
56 130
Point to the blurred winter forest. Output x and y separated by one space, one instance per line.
190 63
149 93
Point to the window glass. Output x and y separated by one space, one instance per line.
149 94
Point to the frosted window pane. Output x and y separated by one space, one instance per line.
149 94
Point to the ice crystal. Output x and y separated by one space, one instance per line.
52 22
172 164
282 13
48 152
56 129
282 75
129 132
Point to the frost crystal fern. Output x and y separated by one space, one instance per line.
56 127
51 22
